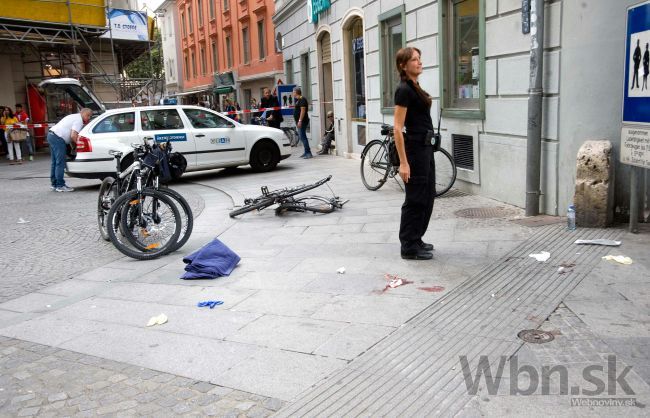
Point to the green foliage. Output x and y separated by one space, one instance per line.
142 66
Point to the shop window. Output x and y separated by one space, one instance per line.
393 38
305 77
463 65
358 79
261 38
246 45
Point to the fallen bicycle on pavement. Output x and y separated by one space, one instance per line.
288 202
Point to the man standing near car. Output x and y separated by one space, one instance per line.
63 133
301 116
275 116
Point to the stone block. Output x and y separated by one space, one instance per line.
594 190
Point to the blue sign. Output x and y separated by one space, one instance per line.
636 99
171 138
285 97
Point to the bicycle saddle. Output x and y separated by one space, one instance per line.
386 129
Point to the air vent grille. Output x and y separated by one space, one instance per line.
463 146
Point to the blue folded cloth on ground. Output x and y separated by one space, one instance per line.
212 260
210 303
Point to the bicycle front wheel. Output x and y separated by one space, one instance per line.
150 221
445 171
374 165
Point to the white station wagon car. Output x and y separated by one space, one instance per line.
206 139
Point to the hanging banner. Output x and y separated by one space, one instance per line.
316 7
127 24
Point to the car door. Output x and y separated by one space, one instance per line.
218 140
165 124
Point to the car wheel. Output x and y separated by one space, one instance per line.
264 156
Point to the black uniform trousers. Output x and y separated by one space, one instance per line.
420 193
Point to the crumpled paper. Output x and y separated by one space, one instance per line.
157 320
542 256
621 259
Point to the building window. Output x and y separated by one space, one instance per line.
193 64
211 8
279 42
204 64
183 25
190 22
261 38
215 62
392 39
358 79
246 44
305 74
171 68
288 71
226 5
199 6
228 52
187 68
462 69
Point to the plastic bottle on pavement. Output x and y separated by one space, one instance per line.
571 218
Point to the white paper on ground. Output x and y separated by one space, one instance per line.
341 270
543 256
619 259
157 320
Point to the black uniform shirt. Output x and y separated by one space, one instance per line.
302 102
418 113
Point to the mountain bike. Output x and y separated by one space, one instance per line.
143 172
377 167
287 202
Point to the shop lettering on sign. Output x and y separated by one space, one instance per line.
316 7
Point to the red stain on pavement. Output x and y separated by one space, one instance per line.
432 289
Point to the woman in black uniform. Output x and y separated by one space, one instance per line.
415 149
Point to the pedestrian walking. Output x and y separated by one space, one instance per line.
413 114
274 117
23 118
63 133
13 144
301 116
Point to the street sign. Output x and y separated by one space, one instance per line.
285 97
635 146
636 99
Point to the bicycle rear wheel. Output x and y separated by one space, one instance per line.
316 204
445 171
107 195
374 165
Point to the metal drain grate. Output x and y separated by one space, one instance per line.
535 336
453 193
483 213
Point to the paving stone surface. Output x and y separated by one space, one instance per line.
37 380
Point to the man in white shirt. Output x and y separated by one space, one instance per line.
61 134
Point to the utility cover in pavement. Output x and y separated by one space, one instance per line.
535 336
484 213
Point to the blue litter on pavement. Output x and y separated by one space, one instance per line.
212 260
210 303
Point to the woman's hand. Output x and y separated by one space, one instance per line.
405 172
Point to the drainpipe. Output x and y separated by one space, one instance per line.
535 92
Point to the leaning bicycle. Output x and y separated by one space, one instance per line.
378 163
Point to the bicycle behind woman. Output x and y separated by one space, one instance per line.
413 139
